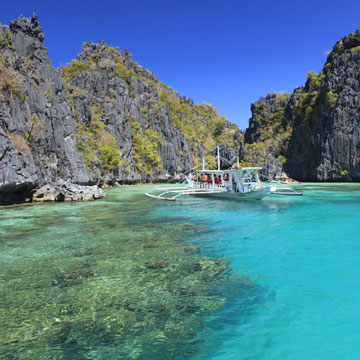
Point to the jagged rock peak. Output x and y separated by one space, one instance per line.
89 49
349 42
267 111
271 102
28 26
103 54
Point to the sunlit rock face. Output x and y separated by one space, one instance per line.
37 141
102 119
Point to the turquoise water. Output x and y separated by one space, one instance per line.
304 251
134 278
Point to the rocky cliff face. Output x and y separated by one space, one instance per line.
124 131
154 132
325 144
37 141
267 134
101 119
318 123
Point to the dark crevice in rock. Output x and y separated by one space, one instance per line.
16 194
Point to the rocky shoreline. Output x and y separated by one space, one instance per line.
104 120
63 191
60 191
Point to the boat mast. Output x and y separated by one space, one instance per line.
218 158
237 162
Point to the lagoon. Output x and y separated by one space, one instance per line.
130 277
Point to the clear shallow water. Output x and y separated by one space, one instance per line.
304 251
104 280
119 279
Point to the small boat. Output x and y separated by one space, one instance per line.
240 183
283 178
283 190
280 185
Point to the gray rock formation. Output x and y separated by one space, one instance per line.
124 102
228 156
63 191
266 137
266 112
37 142
325 146
103 119
317 132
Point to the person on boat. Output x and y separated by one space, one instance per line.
195 177
217 180
235 188
205 179
200 179
210 180
227 177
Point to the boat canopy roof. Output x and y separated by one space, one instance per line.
242 169
210 171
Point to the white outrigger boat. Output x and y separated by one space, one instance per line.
241 183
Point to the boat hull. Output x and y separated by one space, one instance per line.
251 195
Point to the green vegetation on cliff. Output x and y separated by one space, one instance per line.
272 133
96 144
306 108
201 123
313 102
267 133
146 144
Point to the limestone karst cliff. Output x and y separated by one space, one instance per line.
313 133
37 133
100 119
325 142
104 119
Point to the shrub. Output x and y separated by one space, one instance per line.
19 143
327 67
355 48
339 48
156 109
108 151
69 71
145 144
96 144
50 95
211 162
123 72
332 98
10 84
314 79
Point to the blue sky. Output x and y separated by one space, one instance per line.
226 52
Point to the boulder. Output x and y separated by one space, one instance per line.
64 191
